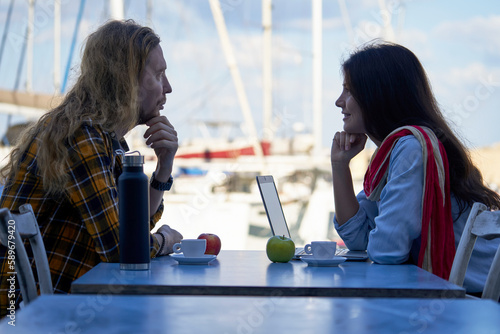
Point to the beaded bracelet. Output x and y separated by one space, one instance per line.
162 243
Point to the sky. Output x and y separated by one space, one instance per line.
457 42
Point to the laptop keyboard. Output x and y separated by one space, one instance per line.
341 251
353 255
299 251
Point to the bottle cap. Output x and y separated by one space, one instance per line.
133 160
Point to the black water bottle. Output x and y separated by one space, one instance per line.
133 202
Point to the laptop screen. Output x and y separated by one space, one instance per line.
272 205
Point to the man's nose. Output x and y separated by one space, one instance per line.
167 89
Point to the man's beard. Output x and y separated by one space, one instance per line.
140 119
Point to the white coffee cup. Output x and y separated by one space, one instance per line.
321 249
191 247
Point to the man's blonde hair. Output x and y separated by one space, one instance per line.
106 92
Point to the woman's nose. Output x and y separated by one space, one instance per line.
339 102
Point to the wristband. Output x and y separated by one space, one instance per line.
161 186
162 243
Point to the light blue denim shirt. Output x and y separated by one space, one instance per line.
390 228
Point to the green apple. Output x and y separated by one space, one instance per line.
280 249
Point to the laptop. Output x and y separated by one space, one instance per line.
277 222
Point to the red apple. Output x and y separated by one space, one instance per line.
213 243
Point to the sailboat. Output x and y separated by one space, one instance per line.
229 203
214 189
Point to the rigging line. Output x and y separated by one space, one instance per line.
126 6
5 139
347 21
104 12
206 90
195 109
6 29
21 60
73 43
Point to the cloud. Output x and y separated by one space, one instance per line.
464 91
305 23
471 74
418 42
458 82
247 49
478 32
333 23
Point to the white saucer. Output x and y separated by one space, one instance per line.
205 259
311 261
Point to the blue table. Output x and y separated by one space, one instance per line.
116 314
250 273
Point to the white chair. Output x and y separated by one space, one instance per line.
485 224
14 227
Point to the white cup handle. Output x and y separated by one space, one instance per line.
307 249
177 248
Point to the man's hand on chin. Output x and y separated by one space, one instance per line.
162 137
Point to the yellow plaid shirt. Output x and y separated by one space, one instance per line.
80 226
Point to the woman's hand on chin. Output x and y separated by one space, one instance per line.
346 146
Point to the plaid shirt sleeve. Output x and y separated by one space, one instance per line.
80 228
93 192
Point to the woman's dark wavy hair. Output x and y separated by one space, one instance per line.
392 90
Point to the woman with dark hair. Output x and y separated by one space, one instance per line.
421 182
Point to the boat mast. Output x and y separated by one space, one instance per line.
235 73
116 9
386 18
317 85
29 38
267 69
81 9
57 46
149 13
346 20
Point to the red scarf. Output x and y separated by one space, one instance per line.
437 248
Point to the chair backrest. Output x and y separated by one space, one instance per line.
485 224
14 227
